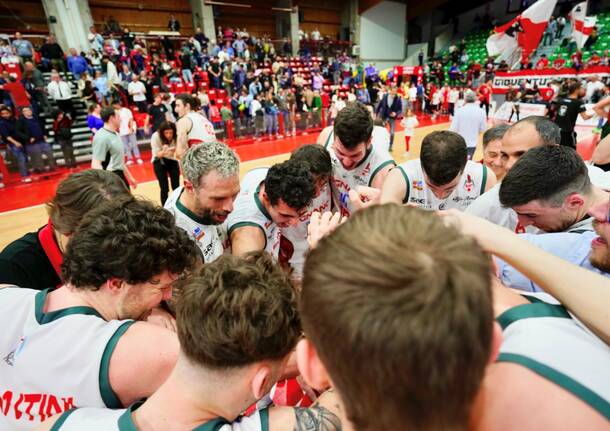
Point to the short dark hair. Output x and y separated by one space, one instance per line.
316 157
107 112
494 134
80 193
236 311
443 156
188 99
353 125
549 132
291 182
548 173
404 328
128 239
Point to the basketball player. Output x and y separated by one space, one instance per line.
356 163
293 245
528 133
269 199
34 260
463 371
227 360
79 345
441 178
205 200
192 127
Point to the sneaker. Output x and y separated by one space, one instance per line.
129 162
140 162
26 180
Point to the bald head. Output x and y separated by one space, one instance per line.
531 132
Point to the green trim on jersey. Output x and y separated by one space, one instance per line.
60 421
484 181
42 317
560 379
108 396
187 212
380 167
259 204
248 223
264 419
406 177
533 310
330 135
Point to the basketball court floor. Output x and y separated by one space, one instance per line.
22 207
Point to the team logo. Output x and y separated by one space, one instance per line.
469 184
198 233
418 185
209 129
10 358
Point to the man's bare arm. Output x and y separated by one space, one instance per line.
183 127
324 415
247 238
394 187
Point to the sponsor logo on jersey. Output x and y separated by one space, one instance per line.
198 233
417 185
30 407
469 184
367 169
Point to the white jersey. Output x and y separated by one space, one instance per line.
201 129
294 245
211 239
54 361
362 175
471 185
248 210
488 205
543 337
381 139
92 419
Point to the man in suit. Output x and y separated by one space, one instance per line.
388 109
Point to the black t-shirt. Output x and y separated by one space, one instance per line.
158 115
567 111
25 264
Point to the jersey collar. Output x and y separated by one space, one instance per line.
126 422
42 317
187 212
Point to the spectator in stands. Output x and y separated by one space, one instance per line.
163 147
561 23
112 75
577 60
100 84
77 64
389 108
113 26
271 114
88 94
107 140
549 32
60 91
23 48
18 94
9 138
40 93
95 60
469 121
7 53
543 63
137 91
62 129
214 72
202 39
30 133
568 109
173 24
239 45
127 132
95 39
94 118
52 52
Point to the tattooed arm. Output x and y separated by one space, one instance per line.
324 415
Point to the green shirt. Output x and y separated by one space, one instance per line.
106 141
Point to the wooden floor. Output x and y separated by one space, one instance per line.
14 224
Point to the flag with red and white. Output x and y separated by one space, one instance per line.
524 32
582 25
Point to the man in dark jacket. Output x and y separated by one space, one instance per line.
53 52
30 133
389 108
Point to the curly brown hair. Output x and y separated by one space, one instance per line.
128 239
237 311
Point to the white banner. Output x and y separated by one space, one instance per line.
530 109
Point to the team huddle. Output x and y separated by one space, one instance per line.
436 294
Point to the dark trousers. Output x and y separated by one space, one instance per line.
164 168
68 151
121 175
568 139
66 106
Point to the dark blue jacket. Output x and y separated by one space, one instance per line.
384 110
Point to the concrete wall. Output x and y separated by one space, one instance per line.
412 53
383 33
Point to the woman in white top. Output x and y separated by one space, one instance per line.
409 122
163 146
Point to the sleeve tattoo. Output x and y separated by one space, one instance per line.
316 418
